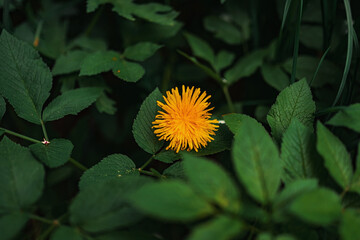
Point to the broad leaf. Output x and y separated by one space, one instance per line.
143 133
211 181
349 226
11 224
336 158
293 102
320 206
355 184
128 71
349 117
71 102
234 121
98 62
114 166
55 154
69 62
25 80
220 228
65 232
141 51
256 160
170 200
200 48
2 107
274 76
176 170
223 59
21 177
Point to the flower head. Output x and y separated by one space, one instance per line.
185 120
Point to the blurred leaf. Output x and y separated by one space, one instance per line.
55 154
170 200
355 185
336 158
11 224
349 226
320 206
306 67
167 156
201 48
152 12
71 102
2 107
312 36
143 133
275 76
98 62
88 44
114 166
128 71
296 152
234 121
223 30
102 207
65 232
349 117
293 102
245 66
69 62
127 235
25 80
106 104
212 182
176 170
256 160
21 177
141 51
220 228
223 59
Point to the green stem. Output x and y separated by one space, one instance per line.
147 162
20 135
44 130
296 44
41 219
342 195
77 164
55 224
228 98
94 20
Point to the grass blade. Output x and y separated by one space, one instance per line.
296 44
319 65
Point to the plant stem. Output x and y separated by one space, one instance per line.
44 131
342 195
55 223
94 21
296 44
41 219
228 98
77 164
147 162
20 135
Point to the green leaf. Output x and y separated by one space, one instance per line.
88 44
98 62
106 104
2 107
11 224
234 121
143 133
256 160
152 12
220 228
128 71
320 206
114 166
336 158
141 51
71 102
55 154
167 156
349 117
68 233
102 207
176 170
223 30
275 76
211 181
25 80
21 177
223 59
69 62
349 226
200 48
170 200
293 102
297 150
355 185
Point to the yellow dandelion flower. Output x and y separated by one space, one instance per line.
185 120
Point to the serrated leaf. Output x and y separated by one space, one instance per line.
201 48
114 166
141 51
143 133
245 66
2 107
212 182
25 80
170 200
65 232
336 158
320 206
223 59
21 177
349 117
55 154
98 62
274 76
293 102
128 71
71 102
297 150
349 226
220 228
102 207
256 160
11 224
69 62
